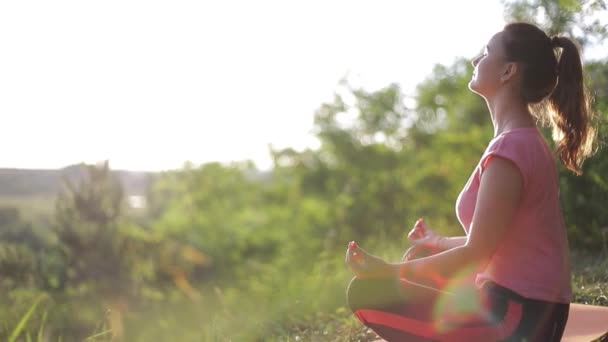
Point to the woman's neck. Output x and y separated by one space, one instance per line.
508 112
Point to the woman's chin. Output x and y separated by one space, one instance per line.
473 86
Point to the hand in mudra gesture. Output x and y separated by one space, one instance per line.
423 235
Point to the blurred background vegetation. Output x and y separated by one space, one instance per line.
229 252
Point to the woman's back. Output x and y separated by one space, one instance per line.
532 259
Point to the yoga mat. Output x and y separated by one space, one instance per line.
586 323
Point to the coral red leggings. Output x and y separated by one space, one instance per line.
400 310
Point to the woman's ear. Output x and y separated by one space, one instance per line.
510 70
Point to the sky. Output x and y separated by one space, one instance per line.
149 85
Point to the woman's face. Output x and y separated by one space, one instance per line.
489 67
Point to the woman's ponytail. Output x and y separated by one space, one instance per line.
570 110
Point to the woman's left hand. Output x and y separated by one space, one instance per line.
365 265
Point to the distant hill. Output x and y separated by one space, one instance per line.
28 182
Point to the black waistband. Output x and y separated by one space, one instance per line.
504 292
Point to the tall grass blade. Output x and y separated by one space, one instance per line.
93 337
41 330
21 325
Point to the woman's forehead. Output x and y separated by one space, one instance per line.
493 42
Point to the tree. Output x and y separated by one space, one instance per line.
98 253
571 17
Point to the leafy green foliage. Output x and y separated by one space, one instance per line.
580 19
93 245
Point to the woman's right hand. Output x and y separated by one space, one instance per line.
423 235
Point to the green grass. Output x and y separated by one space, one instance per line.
590 279
23 322
307 306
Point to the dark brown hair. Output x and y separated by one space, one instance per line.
553 80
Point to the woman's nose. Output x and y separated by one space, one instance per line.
474 61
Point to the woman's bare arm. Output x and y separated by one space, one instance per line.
449 242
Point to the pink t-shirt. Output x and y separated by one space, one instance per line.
533 257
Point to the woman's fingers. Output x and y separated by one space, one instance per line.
422 227
353 253
419 230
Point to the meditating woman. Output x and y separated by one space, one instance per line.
508 279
